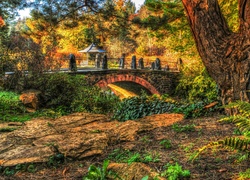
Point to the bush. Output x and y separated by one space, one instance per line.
174 172
57 89
196 85
141 106
191 110
9 102
92 99
72 94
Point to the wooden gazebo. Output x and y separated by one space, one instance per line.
91 49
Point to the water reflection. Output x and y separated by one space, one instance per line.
127 89
122 93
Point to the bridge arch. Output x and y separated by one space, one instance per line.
127 77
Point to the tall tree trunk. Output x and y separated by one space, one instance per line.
225 54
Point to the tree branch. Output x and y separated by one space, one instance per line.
244 14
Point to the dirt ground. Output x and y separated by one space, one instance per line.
214 164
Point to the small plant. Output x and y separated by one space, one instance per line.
145 139
188 147
174 172
97 173
244 175
9 171
237 132
126 156
119 155
136 157
55 160
166 144
31 168
150 157
186 128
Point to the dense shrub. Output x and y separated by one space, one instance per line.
92 99
196 85
141 106
11 108
194 110
10 103
73 94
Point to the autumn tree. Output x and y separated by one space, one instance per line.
165 28
8 11
225 54
117 22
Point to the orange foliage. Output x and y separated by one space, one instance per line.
2 23
132 16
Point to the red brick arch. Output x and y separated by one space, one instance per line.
126 77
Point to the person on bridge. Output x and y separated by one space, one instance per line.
72 62
133 63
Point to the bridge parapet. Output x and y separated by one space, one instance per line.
157 82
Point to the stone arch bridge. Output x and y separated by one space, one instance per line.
156 82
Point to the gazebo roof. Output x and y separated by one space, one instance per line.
92 49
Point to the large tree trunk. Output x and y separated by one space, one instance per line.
225 54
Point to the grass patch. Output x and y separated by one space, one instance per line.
12 108
126 156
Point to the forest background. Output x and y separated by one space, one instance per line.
55 29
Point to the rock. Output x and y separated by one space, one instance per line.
128 130
31 99
76 136
135 171
26 154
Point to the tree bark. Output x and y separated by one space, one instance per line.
225 54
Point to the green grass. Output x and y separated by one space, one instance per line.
9 102
186 128
12 109
126 156
166 143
